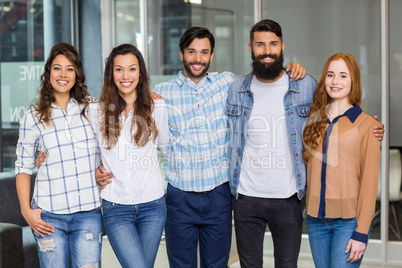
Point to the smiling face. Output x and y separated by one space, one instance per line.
338 82
267 54
126 73
62 76
196 59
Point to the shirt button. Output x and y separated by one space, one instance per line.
241 134
245 113
238 154
233 111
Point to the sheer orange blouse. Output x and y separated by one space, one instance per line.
342 183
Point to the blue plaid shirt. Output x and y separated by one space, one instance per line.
65 182
197 158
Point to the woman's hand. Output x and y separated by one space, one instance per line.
356 249
40 159
33 218
103 177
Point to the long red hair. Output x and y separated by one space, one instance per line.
314 132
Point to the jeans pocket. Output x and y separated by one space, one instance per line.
292 201
240 197
159 202
106 205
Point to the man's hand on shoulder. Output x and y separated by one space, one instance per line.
379 130
155 96
296 71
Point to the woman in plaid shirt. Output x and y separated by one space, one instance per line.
64 212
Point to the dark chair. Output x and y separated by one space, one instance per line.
17 245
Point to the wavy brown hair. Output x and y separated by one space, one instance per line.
314 132
112 104
79 91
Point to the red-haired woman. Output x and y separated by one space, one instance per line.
342 158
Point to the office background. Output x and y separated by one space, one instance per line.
313 30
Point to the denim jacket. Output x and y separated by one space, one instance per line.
297 101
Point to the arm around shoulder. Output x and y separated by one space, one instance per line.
162 123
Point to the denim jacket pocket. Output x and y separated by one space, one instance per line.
233 112
303 110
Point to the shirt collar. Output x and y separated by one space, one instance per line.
72 100
352 113
181 79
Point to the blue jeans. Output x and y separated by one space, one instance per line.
135 231
328 241
194 217
77 239
284 218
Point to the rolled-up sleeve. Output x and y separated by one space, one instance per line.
27 145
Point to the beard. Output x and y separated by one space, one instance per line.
267 71
187 67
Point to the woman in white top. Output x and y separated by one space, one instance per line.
130 126
64 212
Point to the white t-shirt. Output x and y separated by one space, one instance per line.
267 166
137 177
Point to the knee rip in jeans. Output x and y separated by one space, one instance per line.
89 236
94 265
46 245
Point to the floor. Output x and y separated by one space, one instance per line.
109 260
269 263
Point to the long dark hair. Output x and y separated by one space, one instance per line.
79 91
112 104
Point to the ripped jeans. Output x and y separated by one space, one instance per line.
77 239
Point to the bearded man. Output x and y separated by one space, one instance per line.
267 113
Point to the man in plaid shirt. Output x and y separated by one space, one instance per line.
198 197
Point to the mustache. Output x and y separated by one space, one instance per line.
260 57
198 63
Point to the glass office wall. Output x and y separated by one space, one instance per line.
395 126
127 23
28 30
167 21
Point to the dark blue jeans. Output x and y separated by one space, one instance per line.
198 217
284 218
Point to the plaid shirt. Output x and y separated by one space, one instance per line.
65 182
197 158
